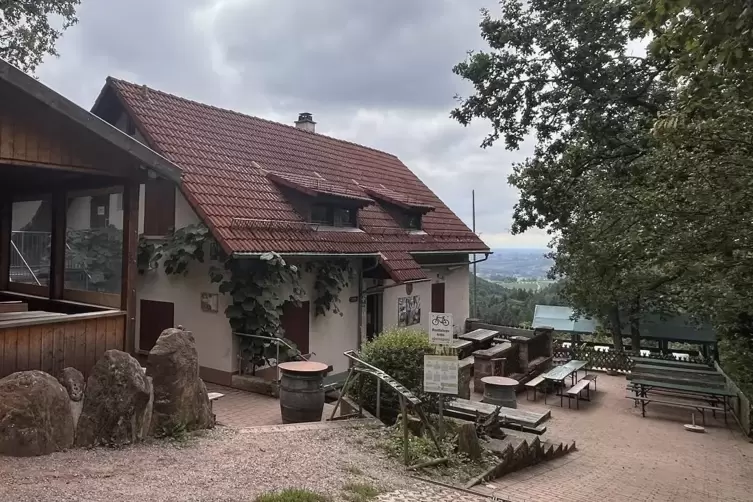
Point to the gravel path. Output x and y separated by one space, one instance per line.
222 465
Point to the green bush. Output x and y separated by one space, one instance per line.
292 495
736 359
399 352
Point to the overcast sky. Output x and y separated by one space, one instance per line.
377 73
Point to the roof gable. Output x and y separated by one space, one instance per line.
226 157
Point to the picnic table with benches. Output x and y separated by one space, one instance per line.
642 387
558 375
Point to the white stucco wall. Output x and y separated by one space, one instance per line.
214 341
23 212
456 292
393 293
456 297
331 335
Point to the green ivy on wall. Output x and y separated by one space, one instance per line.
258 288
332 276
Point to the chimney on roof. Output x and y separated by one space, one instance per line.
306 122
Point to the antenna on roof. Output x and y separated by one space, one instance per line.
145 91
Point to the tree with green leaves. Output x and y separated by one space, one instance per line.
26 33
642 168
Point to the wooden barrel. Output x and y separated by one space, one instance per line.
301 391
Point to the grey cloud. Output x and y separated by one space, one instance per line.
376 73
356 54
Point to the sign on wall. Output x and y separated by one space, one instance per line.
408 310
441 374
440 329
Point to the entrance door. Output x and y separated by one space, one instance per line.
155 317
437 297
373 316
295 322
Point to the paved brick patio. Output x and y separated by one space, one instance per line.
624 457
621 456
240 409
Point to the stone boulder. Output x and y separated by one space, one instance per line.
73 381
180 396
35 415
116 402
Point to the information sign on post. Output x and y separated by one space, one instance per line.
441 329
441 374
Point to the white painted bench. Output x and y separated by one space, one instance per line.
533 384
214 396
592 378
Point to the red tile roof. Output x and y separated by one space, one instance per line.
226 159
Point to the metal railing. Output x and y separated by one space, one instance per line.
293 353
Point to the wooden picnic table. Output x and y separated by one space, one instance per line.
559 374
648 368
481 337
680 379
669 363
643 386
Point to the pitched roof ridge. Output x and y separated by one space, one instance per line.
245 115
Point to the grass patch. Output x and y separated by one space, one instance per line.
292 495
360 492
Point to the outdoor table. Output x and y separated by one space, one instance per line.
644 386
558 376
500 391
480 337
463 347
576 365
669 363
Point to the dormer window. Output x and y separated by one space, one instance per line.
413 221
333 215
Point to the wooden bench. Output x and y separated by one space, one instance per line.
214 396
592 378
702 408
533 384
575 390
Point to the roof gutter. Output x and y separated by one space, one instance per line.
456 264
28 85
462 251
309 255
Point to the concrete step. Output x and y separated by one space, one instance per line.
310 426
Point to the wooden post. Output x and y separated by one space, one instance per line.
404 413
379 399
59 209
6 208
441 417
130 250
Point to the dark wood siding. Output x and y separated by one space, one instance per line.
154 318
295 322
437 297
159 207
78 342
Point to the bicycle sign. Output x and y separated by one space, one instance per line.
440 328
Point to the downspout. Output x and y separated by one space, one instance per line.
361 297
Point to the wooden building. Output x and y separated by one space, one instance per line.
69 201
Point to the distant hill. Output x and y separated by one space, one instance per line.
515 263
509 306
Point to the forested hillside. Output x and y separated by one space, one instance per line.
511 306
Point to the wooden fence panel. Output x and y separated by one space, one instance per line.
53 346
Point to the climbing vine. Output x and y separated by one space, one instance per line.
332 276
258 289
181 247
145 255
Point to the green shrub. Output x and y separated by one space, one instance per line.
736 360
292 495
360 492
399 352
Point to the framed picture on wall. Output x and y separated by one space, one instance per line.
209 302
408 310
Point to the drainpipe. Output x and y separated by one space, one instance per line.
361 297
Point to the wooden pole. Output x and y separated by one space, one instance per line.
130 251
342 394
59 208
441 417
404 413
6 219
379 399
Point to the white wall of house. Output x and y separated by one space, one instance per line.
23 213
456 292
332 334
456 282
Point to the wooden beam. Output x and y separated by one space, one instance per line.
6 208
130 250
57 245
